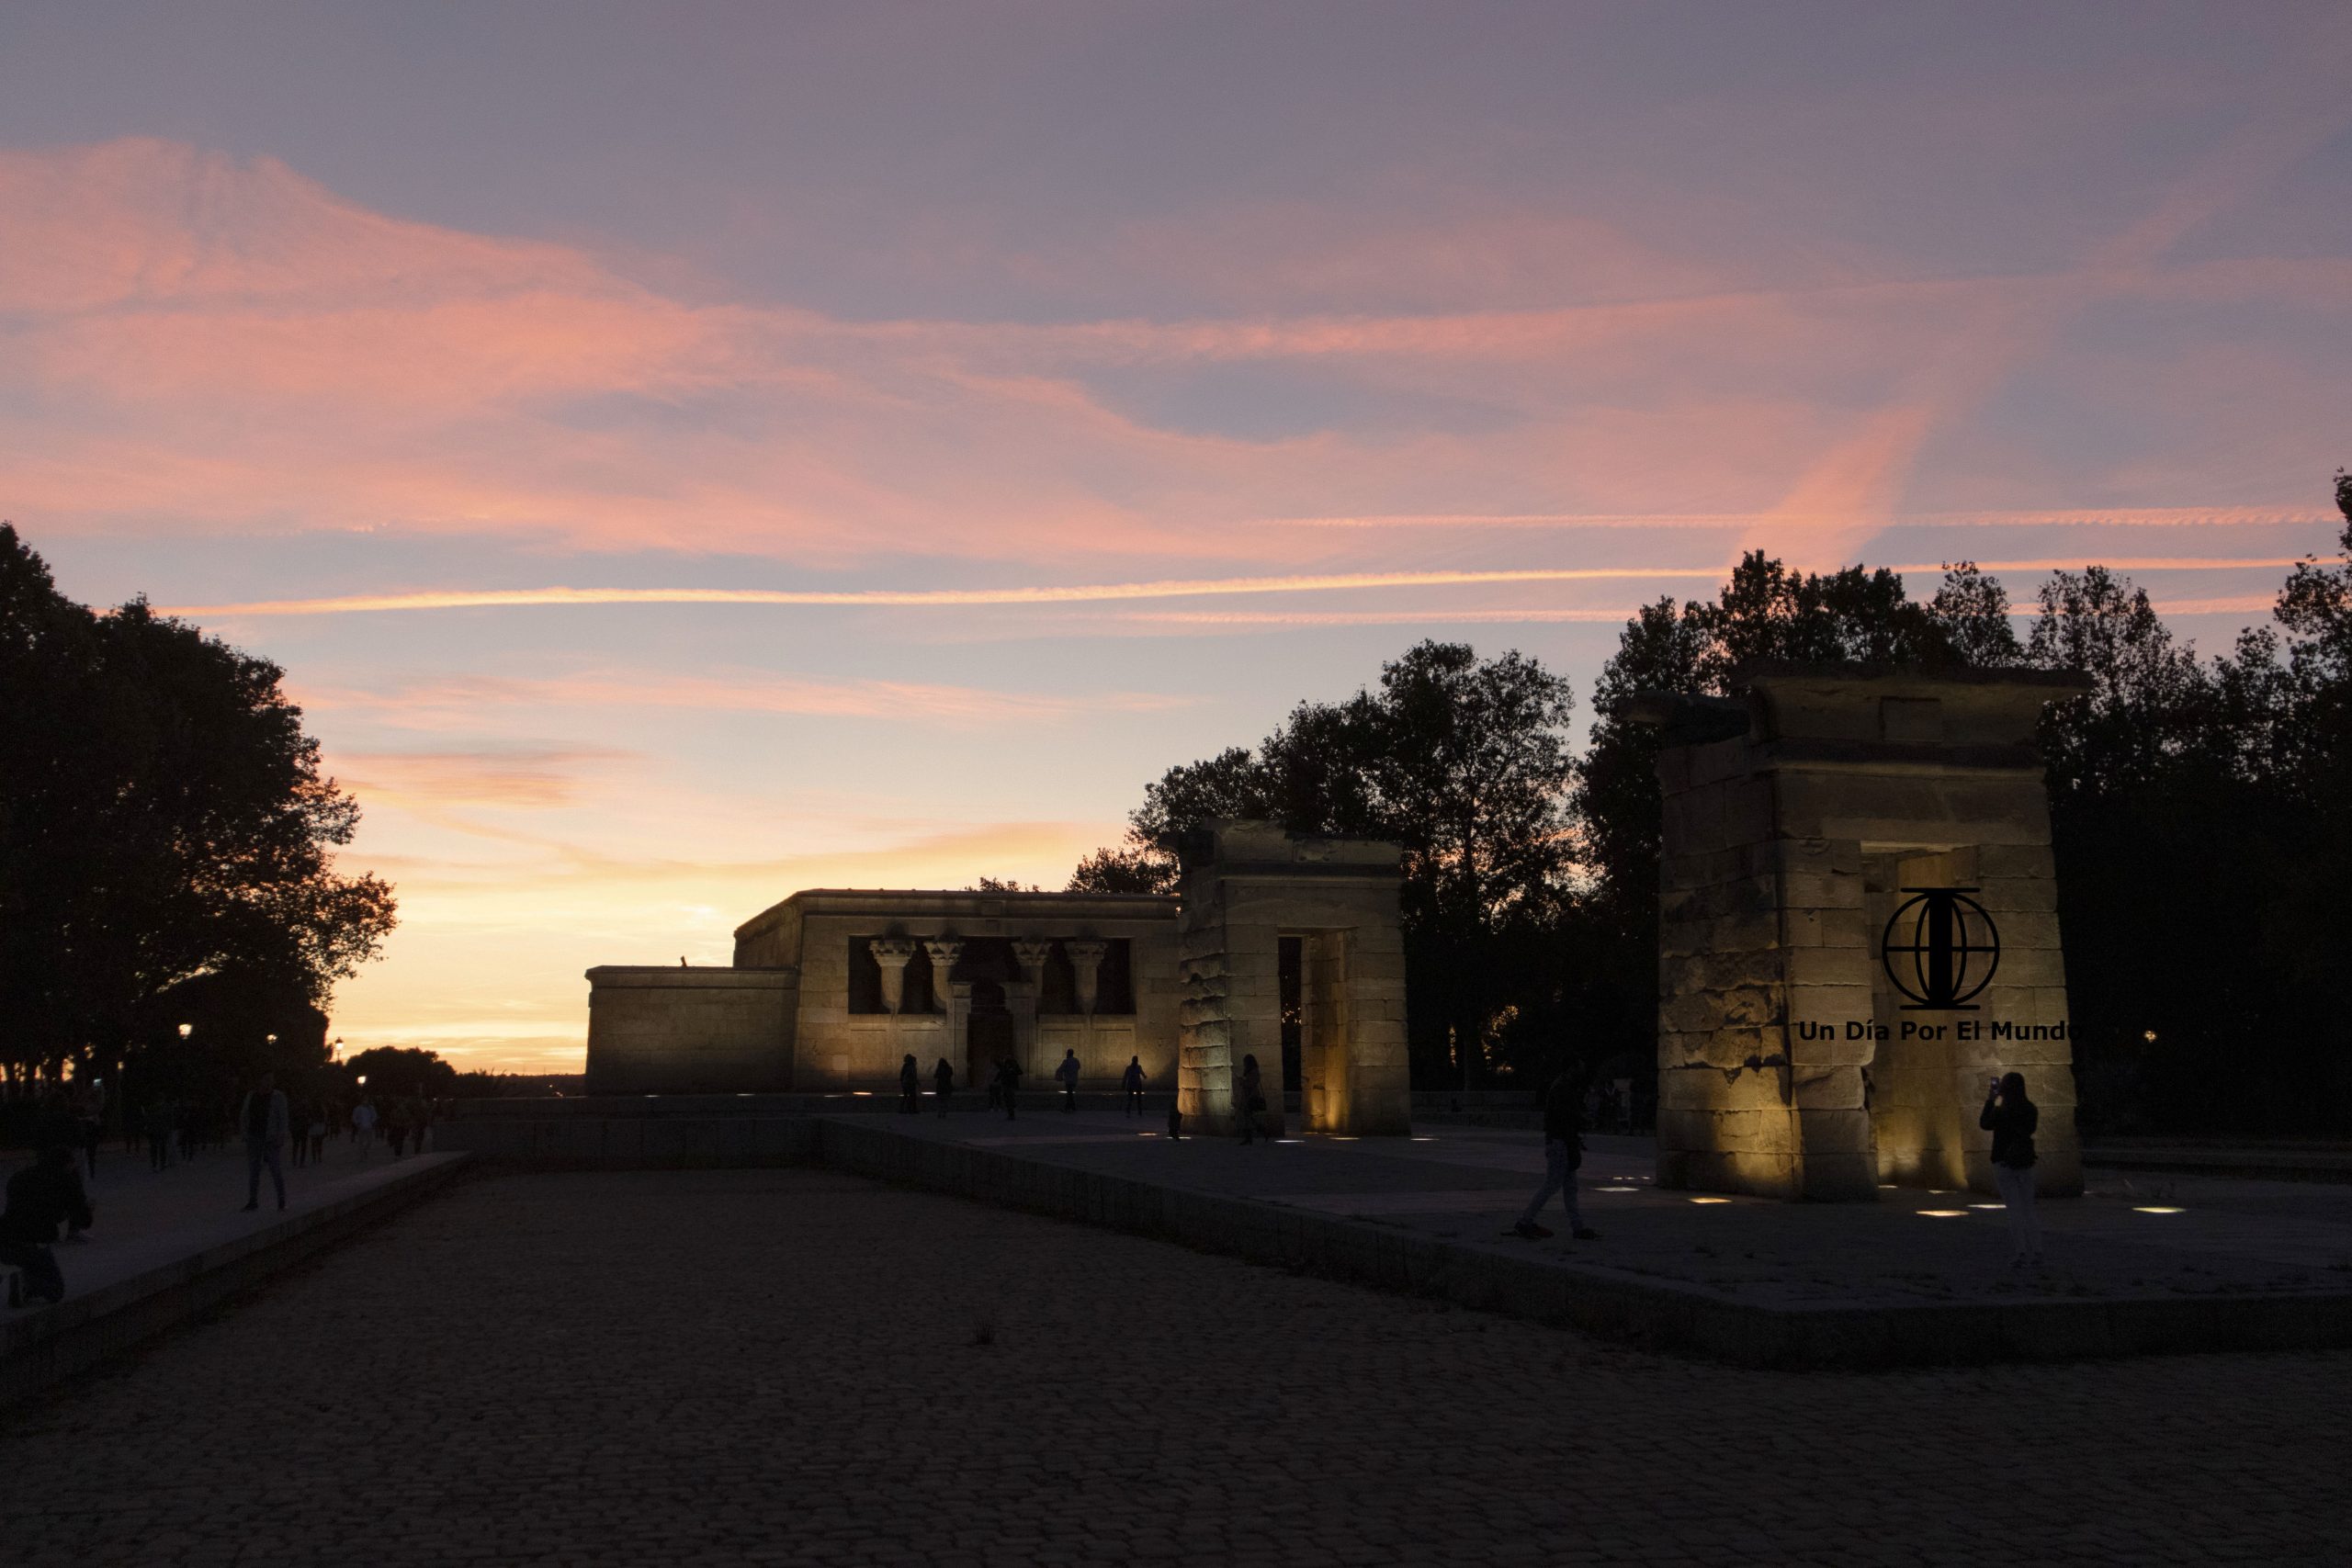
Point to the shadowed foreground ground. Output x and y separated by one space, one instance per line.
782 1366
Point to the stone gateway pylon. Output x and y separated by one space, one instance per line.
1251 892
1856 928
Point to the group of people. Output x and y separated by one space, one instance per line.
1005 1085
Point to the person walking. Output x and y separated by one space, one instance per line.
909 1087
41 1196
363 1125
942 1084
297 1144
318 1131
1067 1075
1562 1157
1132 1081
158 1119
264 1119
396 1125
1008 1083
1250 1099
2012 1118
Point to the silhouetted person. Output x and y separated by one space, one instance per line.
942 1083
1250 1099
363 1125
1132 1081
1562 1157
1008 1084
263 1118
2011 1117
1067 1075
910 1086
1176 1119
41 1196
317 1133
159 1135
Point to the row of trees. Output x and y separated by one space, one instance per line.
166 840
2201 812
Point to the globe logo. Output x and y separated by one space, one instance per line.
1940 949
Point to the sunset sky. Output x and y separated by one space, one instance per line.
1059 391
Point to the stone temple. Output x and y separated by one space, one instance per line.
1283 947
1857 926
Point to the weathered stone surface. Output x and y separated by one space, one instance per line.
1787 855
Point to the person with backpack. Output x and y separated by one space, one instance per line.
41 1196
2012 1118
1562 1157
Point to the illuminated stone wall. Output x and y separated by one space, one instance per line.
1789 1065
1246 885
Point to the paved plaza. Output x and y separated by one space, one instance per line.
2131 1235
794 1366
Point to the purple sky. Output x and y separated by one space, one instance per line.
1363 322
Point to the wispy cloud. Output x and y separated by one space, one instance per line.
453 702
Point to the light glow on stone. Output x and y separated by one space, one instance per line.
1620 1190
2155 1209
1710 1200
1945 1213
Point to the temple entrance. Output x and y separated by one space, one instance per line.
988 1035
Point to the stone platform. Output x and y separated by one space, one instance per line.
2141 1264
170 1245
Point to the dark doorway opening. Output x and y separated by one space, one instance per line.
1291 966
988 1032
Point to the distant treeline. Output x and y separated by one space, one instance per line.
2201 810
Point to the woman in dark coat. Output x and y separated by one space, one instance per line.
909 1087
2011 1117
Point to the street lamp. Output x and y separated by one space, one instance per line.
186 1030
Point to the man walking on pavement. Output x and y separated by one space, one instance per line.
1067 1075
264 1119
1563 1154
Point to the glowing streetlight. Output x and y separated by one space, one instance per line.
269 1039
186 1030
363 1080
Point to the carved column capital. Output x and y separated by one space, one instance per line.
891 956
1086 968
945 951
1030 953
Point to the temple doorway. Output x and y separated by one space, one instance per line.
987 1034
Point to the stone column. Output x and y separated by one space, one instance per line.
1086 966
945 951
1021 1000
893 955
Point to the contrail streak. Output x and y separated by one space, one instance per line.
1083 593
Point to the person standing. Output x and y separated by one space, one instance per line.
942 1084
909 1087
363 1125
158 1119
1132 1081
263 1120
298 1145
1067 1075
1562 1158
1250 1099
396 1125
2012 1118
1008 1083
318 1132
41 1196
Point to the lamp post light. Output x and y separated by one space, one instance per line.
186 1030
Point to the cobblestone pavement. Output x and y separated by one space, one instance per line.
795 1367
